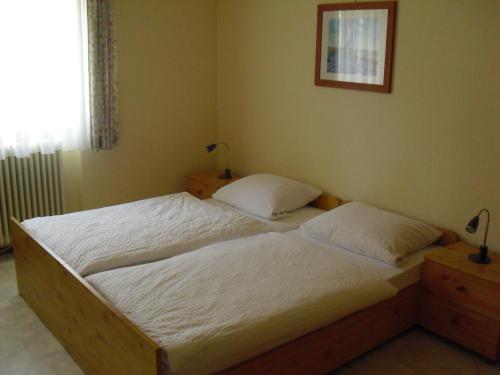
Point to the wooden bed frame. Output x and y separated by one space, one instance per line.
103 341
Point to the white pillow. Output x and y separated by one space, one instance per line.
267 195
372 232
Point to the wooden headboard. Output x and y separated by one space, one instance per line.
328 202
447 238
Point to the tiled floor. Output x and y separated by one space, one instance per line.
27 347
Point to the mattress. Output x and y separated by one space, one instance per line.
399 277
214 307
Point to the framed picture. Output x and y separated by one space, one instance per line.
354 46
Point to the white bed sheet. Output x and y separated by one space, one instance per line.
214 307
287 223
399 277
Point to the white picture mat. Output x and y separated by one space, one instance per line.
378 45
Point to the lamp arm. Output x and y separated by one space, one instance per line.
487 224
227 153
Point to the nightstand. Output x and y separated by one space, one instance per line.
461 300
203 184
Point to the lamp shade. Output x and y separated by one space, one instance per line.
211 147
473 224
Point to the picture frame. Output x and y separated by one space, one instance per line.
355 45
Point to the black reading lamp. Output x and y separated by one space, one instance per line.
227 172
482 257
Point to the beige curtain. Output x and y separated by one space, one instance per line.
102 75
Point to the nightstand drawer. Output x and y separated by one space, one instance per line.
460 325
462 289
197 189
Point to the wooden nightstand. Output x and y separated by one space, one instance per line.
461 300
204 184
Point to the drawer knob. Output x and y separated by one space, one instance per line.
461 288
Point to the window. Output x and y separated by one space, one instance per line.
44 103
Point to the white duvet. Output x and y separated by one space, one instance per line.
138 232
220 305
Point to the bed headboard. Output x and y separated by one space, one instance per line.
328 202
447 238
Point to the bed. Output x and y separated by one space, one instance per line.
103 341
218 306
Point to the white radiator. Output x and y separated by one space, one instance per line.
29 187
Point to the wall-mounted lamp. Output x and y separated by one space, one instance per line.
482 257
227 172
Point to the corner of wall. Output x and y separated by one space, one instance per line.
71 178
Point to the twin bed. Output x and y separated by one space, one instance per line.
148 230
224 292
